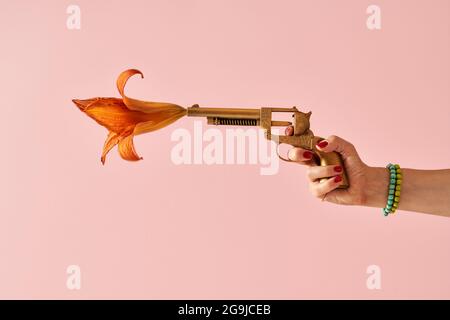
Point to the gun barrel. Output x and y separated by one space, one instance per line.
229 113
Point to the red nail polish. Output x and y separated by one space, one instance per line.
337 179
322 144
289 131
338 169
307 154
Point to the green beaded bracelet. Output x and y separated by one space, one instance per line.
395 182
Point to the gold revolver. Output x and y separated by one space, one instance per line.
303 137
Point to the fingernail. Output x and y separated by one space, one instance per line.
322 144
338 169
337 179
288 131
307 154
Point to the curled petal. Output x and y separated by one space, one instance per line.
112 139
126 149
123 78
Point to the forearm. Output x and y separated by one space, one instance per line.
426 191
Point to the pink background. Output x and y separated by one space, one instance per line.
156 230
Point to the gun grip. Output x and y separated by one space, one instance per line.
333 158
322 158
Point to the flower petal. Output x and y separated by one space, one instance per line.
113 114
126 149
83 105
152 125
143 106
123 78
151 106
112 139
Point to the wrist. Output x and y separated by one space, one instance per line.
377 184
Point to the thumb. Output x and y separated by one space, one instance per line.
335 143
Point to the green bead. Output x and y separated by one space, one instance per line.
390 202
391 197
397 199
392 186
392 181
397 193
391 191
393 175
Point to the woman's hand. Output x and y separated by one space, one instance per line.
361 191
426 191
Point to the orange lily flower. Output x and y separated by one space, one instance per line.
124 118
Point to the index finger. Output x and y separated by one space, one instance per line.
301 155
